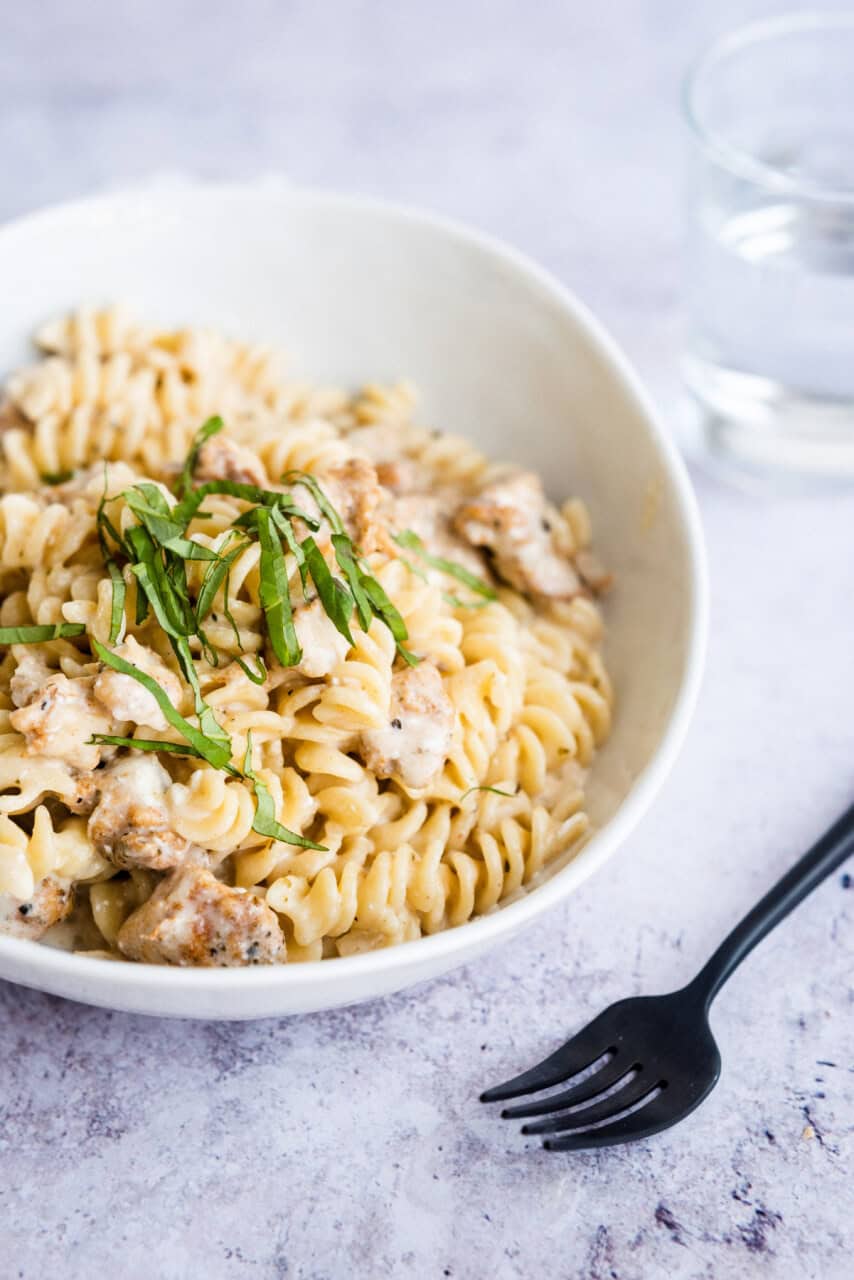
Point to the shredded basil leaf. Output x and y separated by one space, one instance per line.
309 482
105 525
334 596
226 608
496 791
285 528
158 550
208 722
119 587
145 575
217 753
410 540
156 518
186 509
456 602
275 593
349 566
56 477
29 634
264 821
257 677
385 610
146 744
117 605
367 594
214 577
210 428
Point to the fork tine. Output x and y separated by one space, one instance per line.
628 1096
612 1071
574 1056
643 1123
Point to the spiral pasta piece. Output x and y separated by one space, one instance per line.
211 811
358 695
362 911
63 851
32 535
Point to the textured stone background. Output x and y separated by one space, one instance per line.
350 1144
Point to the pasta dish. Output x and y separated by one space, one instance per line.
284 675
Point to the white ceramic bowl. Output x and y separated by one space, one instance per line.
358 290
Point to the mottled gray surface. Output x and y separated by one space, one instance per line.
350 1144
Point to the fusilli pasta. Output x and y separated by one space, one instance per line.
373 657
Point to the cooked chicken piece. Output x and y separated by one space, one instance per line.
593 574
84 796
52 901
29 675
399 476
414 746
322 646
511 519
427 515
194 919
354 491
58 715
125 698
60 719
222 459
129 824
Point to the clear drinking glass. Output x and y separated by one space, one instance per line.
770 359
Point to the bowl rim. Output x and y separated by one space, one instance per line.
45 962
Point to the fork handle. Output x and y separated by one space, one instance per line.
823 858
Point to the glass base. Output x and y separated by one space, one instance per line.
762 431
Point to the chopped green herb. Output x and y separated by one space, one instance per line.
186 509
334 596
326 508
160 600
105 525
146 744
29 634
217 753
117 604
257 677
210 428
286 530
156 518
385 610
226 608
352 571
456 602
410 540
214 577
275 593
265 811
56 477
208 722
496 791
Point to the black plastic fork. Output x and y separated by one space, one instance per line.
654 1057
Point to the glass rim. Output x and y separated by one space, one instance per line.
737 160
